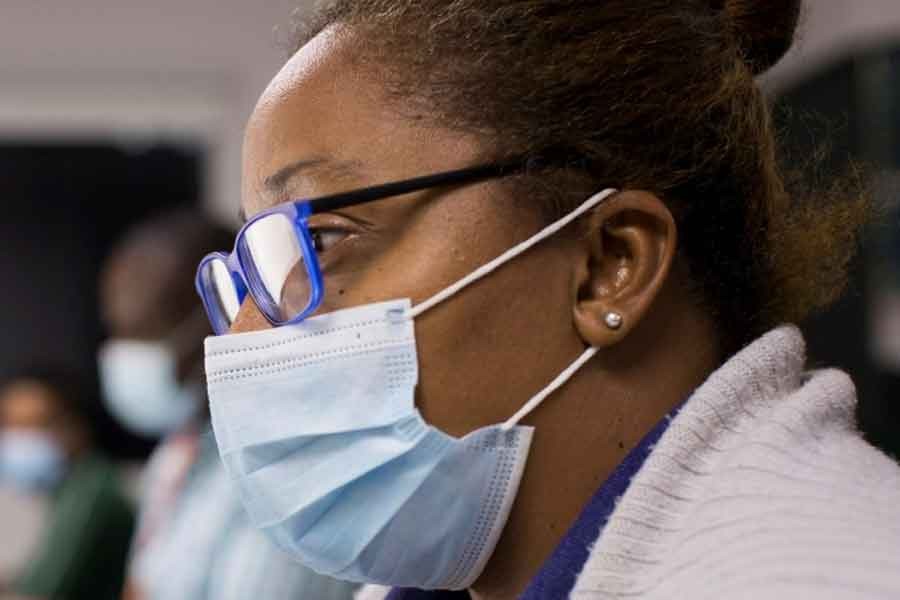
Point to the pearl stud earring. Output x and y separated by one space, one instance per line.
614 320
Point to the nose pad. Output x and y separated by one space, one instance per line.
249 318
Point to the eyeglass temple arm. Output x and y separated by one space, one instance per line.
448 178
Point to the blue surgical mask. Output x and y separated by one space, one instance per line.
317 426
141 387
31 460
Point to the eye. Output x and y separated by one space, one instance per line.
325 239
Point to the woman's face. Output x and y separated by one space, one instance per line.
325 126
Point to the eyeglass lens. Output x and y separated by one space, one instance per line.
275 268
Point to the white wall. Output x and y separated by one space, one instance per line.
193 68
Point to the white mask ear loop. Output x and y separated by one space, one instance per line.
510 254
507 256
557 383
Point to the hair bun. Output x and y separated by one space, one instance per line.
764 29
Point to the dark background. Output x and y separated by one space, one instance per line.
64 206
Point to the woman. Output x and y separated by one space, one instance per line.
47 452
524 340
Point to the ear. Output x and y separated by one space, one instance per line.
626 258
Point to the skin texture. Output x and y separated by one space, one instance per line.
486 351
31 405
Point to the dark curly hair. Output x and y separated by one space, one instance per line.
656 95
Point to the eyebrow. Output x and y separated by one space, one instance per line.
278 182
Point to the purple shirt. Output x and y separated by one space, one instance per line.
557 577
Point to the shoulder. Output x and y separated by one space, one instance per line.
799 504
756 494
819 519
249 566
94 485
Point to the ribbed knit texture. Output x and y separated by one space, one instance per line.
761 488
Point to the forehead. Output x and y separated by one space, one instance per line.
311 107
27 403
327 103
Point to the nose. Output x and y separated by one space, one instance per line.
249 318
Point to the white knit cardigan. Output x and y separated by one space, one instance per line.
761 488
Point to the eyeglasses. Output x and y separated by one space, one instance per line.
274 257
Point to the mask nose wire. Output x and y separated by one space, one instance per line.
510 254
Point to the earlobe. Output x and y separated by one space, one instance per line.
625 261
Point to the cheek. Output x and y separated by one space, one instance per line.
486 351
422 253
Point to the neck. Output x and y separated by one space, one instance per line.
579 422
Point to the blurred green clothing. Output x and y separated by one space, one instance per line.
85 546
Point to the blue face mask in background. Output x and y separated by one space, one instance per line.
317 426
141 387
31 460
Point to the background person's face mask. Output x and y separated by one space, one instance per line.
30 460
316 423
141 388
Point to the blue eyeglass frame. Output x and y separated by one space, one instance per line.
247 279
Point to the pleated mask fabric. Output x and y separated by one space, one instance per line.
317 426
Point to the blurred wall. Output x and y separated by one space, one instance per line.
832 29
837 95
141 71
83 79
194 68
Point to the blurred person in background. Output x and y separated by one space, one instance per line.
193 540
507 317
46 450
